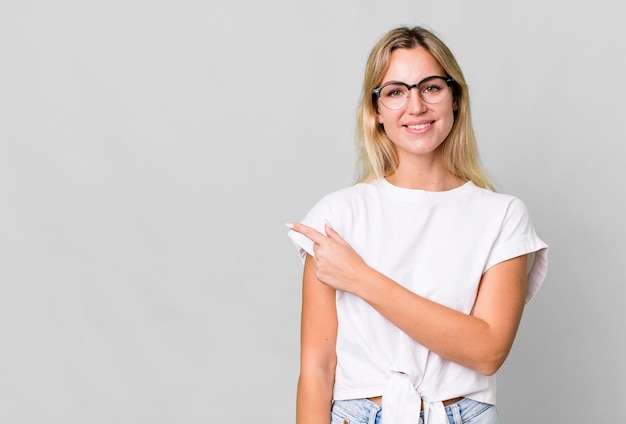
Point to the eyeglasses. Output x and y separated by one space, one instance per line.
395 94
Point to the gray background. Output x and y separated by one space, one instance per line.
151 151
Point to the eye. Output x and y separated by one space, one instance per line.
395 93
431 89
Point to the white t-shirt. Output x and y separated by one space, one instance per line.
438 245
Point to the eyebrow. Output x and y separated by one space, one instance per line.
417 83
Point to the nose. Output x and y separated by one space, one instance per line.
415 104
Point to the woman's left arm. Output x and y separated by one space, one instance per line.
480 341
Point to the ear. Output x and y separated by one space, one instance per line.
455 105
379 119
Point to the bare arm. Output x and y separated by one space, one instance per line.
480 341
317 355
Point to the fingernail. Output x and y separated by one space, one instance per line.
290 226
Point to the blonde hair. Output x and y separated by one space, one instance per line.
376 154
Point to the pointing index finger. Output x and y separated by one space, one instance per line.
311 233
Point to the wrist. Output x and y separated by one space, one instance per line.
365 281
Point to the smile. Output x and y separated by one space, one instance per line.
419 126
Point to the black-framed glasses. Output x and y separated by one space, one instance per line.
395 94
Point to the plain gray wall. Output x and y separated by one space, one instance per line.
150 153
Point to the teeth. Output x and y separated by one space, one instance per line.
418 127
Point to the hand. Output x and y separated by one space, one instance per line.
336 263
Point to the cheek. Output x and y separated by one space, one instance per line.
388 117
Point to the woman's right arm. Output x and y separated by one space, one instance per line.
318 359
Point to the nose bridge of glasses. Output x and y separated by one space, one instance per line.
419 96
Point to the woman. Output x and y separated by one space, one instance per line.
416 277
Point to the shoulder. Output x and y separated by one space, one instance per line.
495 198
349 201
338 204
490 195
495 208
350 194
508 212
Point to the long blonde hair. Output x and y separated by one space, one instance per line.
376 154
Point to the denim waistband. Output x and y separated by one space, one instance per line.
365 411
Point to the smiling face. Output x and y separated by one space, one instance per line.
418 129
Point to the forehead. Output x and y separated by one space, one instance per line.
411 65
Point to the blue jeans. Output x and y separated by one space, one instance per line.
362 411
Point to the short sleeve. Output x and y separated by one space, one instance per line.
518 237
316 218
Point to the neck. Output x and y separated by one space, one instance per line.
429 177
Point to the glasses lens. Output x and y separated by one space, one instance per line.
433 90
394 96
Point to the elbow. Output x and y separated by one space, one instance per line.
489 364
322 372
488 369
